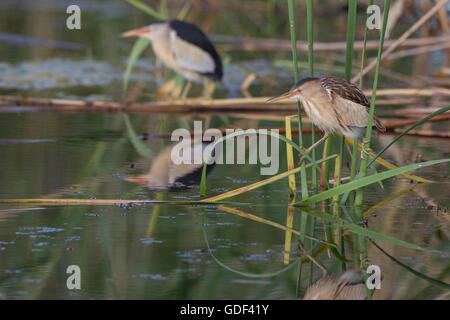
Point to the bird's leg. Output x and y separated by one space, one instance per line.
186 89
208 88
312 259
348 147
307 151
167 87
325 137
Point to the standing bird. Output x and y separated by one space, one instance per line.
334 105
184 48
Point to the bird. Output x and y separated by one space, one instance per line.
184 48
166 173
349 285
333 105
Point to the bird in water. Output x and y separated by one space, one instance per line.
349 285
169 172
184 48
333 105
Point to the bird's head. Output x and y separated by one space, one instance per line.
150 32
295 93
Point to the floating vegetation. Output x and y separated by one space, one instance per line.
62 73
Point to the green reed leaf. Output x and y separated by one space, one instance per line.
434 282
152 12
137 143
364 232
272 179
362 182
241 273
139 46
363 166
418 123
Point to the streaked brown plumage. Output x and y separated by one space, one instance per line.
334 105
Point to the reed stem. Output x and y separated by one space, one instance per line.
355 144
363 167
304 183
291 10
310 37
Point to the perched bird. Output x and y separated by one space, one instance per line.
334 105
167 172
184 48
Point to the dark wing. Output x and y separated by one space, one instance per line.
345 90
351 92
189 33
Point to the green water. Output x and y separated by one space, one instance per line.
159 251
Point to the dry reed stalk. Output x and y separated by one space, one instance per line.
417 92
416 51
245 85
409 80
390 126
402 39
418 111
401 123
440 81
258 44
258 219
443 19
253 104
77 201
394 15
425 133
239 109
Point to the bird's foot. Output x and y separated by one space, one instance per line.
301 157
208 89
365 150
186 89
168 90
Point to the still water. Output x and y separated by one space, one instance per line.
158 251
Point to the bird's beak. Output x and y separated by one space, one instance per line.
138 180
135 33
283 96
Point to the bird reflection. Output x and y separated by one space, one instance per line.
349 285
167 175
